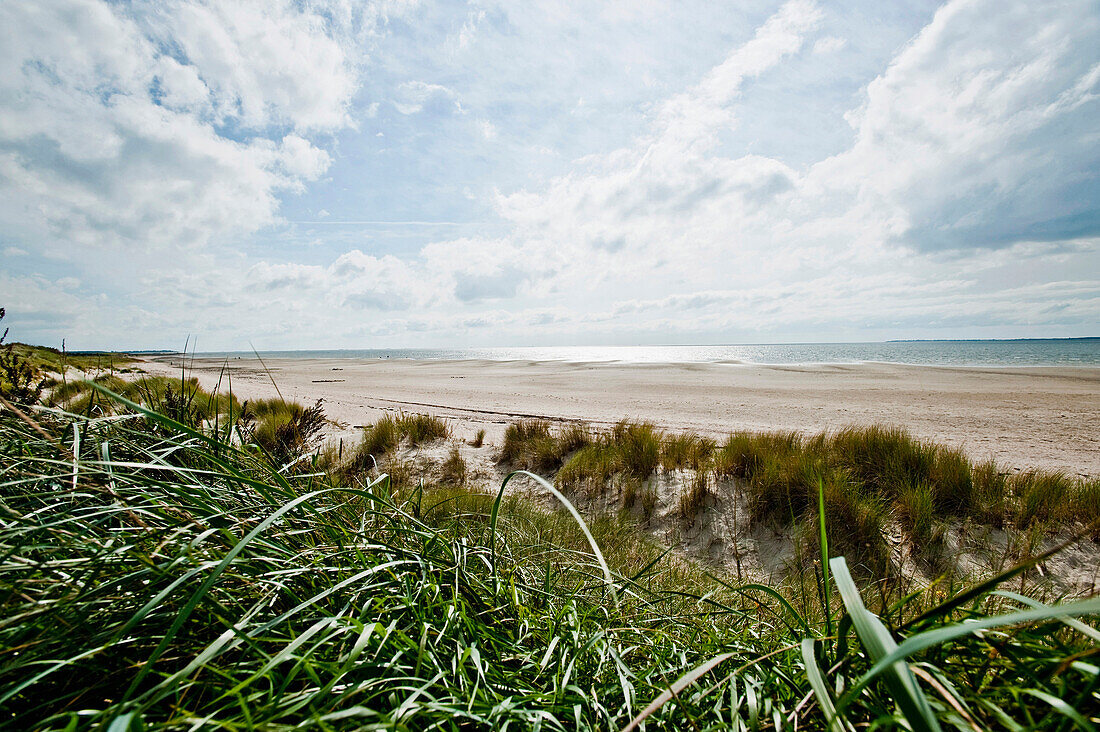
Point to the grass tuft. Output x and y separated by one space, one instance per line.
454 469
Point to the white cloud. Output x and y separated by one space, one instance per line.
414 96
829 44
263 62
111 117
966 194
983 131
487 128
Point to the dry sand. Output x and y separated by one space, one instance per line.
1045 417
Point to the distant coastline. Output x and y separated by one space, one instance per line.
988 340
995 353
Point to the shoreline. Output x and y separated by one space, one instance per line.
1021 416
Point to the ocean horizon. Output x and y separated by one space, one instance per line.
989 353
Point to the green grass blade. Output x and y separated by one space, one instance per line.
679 685
930 638
880 645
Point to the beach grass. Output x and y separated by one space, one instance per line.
169 578
167 564
874 477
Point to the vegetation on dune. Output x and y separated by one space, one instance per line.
479 439
167 574
50 363
384 436
169 578
872 477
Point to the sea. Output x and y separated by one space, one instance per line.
989 353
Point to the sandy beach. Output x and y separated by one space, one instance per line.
1044 417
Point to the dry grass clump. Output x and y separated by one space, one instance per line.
378 439
637 448
631 450
855 519
744 453
386 434
454 469
686 450
285 430
1042 497
693 500
875 473
531 444
479 439
590 468
990 494
182 399
422 428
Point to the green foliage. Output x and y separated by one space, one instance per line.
685 450
170 579
284 430
590 468
531 444
379 439
1042 497
384 436
916 511
693 500
20 380
638 448
421 428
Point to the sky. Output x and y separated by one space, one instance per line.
389 174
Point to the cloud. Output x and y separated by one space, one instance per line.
414 96
982 131
829 44
963 143
155 124
958 192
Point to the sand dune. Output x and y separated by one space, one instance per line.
1023 417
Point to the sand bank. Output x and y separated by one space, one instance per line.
1022 417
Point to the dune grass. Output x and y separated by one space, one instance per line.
532 444
873 477
170 579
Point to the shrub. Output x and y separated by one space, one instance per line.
20 381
